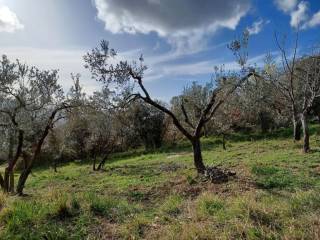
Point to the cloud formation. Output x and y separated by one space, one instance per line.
300 18
314 21
9 21
286 5
257 27
181 22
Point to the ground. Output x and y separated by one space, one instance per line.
143 195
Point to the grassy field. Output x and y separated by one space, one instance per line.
275 195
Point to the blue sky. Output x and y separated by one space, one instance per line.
181 40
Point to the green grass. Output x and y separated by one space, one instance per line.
157 195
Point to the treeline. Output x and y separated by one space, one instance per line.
40 123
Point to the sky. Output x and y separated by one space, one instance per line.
181 40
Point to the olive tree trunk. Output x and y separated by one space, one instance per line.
296 128
224 141
25 173
306 135
197 156
8 181
102 163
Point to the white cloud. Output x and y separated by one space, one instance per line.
286 5
184 23
162 67
257 27
300 15
314 21
9 21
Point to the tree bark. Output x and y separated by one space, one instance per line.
296 128
25 173
55 164
1 181
94 164
9 174
224 142
197 156
22 180
306 136
101 164
11 144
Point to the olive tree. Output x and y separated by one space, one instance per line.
100 62
298 81
32 101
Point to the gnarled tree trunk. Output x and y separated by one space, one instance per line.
224 141
103 161
306 136
8 184
94 163
296 128
197 156
25 173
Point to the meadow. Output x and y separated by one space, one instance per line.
157 195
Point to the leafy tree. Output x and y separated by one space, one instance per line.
148 122
298 81
124 73
32 101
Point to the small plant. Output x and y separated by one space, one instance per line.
113 209
261 170
209 205
172 205
136 195
191 180
66 207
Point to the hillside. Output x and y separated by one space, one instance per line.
275 195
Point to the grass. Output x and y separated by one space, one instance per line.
157 195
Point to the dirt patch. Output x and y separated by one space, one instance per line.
171 167
183 186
